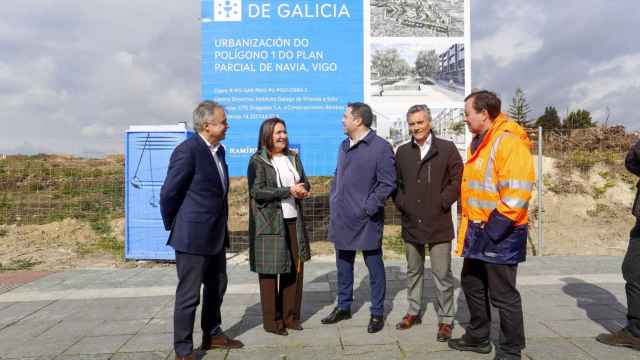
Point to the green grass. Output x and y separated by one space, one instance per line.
19 264
49 188
599 191
601 211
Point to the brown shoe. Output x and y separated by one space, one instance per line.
444 332
620 338
188 357
294 326
220 342
408 321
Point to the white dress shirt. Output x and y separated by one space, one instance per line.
214 152
424 148
353 143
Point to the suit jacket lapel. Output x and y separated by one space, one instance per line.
205 151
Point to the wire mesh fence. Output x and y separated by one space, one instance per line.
586 193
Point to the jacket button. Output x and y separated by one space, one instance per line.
420 220
418 181
418 201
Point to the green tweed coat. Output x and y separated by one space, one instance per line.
268 249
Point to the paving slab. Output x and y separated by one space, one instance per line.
149 355
119 327
601 351
556 349
18 311
128 314
98 345
149 343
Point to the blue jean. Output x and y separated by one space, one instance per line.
377 279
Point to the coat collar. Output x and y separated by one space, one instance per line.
501 124
367 139
433 149
263 154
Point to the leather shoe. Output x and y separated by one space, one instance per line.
376 323
464 344
282 331
408 321
221 341
620 338
444 332
336 315
188 357
500 357
294 326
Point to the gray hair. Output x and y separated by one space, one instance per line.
419 108
203 111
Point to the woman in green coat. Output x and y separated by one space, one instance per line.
278 244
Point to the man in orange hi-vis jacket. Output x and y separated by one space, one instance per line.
496 187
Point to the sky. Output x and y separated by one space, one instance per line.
75 74
571 54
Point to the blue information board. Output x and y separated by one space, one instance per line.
299 60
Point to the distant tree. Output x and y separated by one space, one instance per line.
519 108
388 63
427 63
550 119
579 119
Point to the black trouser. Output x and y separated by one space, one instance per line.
194 271
482 283
631 274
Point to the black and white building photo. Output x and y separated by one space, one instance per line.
409 71
417 18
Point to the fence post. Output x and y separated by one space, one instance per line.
540 192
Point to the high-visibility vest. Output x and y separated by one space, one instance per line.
499 175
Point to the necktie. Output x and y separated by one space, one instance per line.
223 176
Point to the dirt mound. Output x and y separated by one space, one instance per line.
592 221
55 246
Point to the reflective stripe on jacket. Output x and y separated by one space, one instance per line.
496 188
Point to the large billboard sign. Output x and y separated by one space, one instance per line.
303 61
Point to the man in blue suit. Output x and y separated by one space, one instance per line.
365 177
194 207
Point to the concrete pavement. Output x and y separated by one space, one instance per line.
127 314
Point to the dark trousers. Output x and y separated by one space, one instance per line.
194 271
485 283
631 274
281 300
377 279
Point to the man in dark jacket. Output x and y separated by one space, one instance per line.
365 177
194 206
630 335
429 171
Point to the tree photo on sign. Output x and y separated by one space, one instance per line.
387 64
427 63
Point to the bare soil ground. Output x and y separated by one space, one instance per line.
585 213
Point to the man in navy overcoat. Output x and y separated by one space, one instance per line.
365 177
194 207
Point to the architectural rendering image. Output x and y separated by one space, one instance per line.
417 18
403 71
